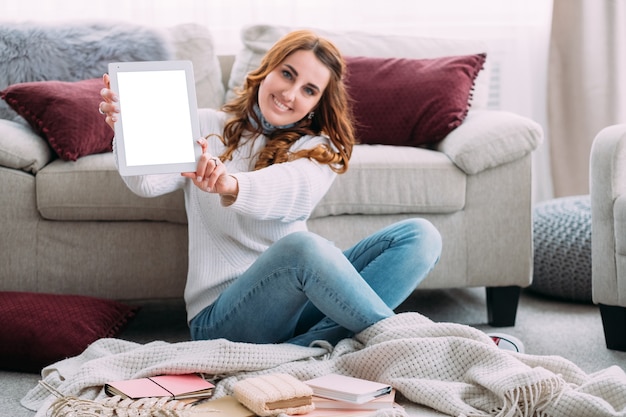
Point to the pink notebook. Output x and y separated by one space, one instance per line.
175 387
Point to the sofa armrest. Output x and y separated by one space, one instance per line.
608 165
22 148
607 184
489 138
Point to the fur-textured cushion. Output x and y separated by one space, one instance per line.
410 102
72 51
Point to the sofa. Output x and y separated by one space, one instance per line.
608 223
70 226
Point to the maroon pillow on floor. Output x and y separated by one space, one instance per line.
411 102
40 329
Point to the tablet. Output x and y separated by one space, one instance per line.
157 127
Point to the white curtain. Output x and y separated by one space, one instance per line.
587 84
517 31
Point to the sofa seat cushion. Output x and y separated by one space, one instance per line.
385 179
425 181
90 188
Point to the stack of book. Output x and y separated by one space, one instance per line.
334 395
340 395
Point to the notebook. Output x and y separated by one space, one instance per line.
175 387
347 388
382 402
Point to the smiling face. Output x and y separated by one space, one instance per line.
293 89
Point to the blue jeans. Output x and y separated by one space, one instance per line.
303 288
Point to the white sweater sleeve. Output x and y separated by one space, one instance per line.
151 185
287 192
154 185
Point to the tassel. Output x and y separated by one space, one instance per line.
65 406
531 400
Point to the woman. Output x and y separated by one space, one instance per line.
268 157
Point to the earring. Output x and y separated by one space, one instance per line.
311 115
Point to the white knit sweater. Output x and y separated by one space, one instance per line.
272 202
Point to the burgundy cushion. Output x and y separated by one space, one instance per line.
412 102
65 113
40 329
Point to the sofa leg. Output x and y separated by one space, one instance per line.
614 323
502 305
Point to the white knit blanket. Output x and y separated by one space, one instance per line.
452 368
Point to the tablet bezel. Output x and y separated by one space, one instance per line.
160 112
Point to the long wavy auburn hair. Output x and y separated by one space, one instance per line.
332 115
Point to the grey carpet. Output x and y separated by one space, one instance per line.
546 326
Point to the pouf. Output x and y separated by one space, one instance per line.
562 248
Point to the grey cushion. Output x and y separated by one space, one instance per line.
562 240
22 148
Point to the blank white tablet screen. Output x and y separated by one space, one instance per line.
158 125
155 114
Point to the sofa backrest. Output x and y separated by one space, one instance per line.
226 66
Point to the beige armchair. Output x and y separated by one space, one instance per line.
608 231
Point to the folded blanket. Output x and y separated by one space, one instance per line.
452 368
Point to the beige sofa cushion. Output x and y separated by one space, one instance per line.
258 39
195 43
489 138
385 179
22 148
91 189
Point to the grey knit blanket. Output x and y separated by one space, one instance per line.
452 368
